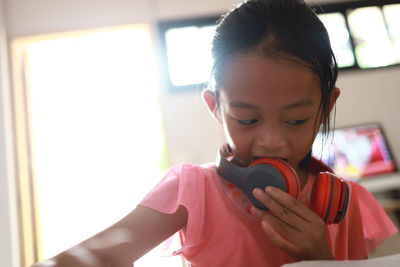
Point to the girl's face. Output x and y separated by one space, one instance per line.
269 108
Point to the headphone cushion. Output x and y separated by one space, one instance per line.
329 197
319 195
344 201
335 197
292 181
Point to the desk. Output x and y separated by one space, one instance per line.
381 183
387 261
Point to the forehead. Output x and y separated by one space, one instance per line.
257 79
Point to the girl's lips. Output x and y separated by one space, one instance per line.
284 159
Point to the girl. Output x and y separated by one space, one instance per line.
273 87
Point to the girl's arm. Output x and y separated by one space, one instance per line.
124 242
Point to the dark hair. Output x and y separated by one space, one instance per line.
277 28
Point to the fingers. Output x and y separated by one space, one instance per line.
282 235
291 226
276 238
284 206
275 225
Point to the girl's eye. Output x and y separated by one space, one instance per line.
296 122
247 122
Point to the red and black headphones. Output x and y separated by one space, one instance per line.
329 197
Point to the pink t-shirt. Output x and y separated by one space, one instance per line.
221 232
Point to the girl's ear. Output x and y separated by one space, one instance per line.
334 96
211 100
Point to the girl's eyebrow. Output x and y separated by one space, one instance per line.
301 103
241 104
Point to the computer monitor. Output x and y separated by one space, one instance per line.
356 152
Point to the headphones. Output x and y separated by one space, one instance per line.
329 197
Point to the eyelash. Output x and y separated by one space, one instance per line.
296 122
247 122
253 121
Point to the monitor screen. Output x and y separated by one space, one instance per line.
355 152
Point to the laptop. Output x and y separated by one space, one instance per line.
357 152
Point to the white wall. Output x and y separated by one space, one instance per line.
372 95
8 219
192 134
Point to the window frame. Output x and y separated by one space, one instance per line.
339 7
163 27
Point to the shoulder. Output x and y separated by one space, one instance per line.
184 184
190 171
181 180
360 194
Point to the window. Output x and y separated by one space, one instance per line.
335 24
364 35
90 135
372 32
187 52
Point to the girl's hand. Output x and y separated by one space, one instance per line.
291 226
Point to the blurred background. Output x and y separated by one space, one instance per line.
99 98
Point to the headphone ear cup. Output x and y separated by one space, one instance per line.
329 198
344 202
292 181
319 194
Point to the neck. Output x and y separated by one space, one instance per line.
303 174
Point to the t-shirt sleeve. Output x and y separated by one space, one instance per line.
183 185
377 226
164 196
365 226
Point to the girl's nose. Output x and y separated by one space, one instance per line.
270 141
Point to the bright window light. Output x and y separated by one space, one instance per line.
373 47
335 24
96 132
392 16
189 54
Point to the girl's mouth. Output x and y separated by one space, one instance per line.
284 159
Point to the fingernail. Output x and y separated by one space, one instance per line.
270 189
257 192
